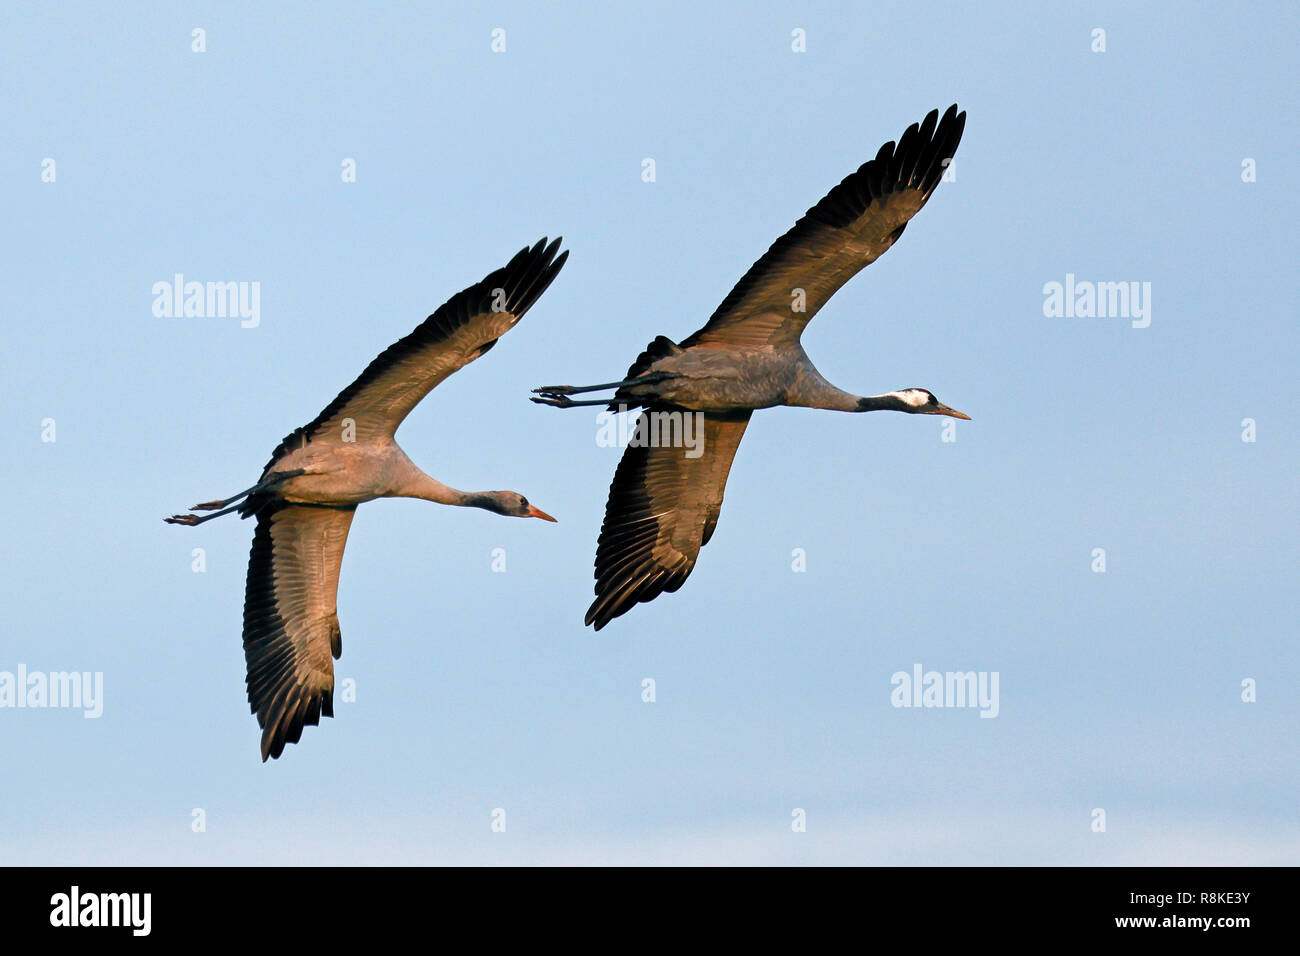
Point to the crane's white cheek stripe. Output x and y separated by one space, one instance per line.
913 397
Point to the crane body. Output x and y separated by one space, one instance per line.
664 503
318 475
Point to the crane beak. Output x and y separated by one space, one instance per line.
538 513
950 412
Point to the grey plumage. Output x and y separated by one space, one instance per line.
664 504
309 490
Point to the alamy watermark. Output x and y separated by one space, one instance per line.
75 908
179 299
1098 300
82 690
922 688
654 429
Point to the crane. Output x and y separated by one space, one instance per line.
665 499
309 490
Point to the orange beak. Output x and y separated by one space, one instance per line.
951 413
538 513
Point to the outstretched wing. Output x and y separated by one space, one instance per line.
850 228
462 329
663 507
291 625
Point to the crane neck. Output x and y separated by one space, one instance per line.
425 488
888 402
414 483
810 390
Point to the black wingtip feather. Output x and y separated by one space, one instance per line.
908 155
915 162
525 277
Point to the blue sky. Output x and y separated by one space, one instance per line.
479 690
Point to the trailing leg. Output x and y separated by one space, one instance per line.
192 520
563 401
651 378
223 502
270 481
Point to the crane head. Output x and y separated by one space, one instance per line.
513 504
921 401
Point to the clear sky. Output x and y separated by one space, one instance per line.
477 690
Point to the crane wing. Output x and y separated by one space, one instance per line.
291 625
462 329
663 507
852 226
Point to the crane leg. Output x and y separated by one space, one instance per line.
192 520
563 401
273 478
221 503
228 505
648 379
